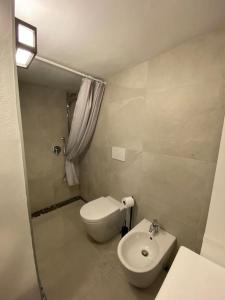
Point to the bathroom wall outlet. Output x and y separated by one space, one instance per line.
119 153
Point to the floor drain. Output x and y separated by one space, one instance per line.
144 252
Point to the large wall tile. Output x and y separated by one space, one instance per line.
41 192
186 121
197 61
100 136
128 85
182 185
135 77
125 124
94 171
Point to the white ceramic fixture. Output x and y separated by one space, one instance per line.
143 254
193 277
103 218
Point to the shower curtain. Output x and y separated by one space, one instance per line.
83 125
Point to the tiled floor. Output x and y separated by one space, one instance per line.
72 267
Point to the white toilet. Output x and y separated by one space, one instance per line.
102 218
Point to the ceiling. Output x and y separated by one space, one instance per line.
51 76
102 37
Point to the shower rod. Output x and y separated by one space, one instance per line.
50 62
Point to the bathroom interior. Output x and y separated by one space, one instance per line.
113 149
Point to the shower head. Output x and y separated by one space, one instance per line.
70 98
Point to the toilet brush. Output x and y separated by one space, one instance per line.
124 229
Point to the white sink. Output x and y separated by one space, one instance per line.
143 255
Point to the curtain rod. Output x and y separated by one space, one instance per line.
50 62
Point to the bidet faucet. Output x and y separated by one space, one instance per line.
154 227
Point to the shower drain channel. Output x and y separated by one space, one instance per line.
144 252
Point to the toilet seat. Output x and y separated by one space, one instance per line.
99 209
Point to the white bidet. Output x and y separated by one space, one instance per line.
143 254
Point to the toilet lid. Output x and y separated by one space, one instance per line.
99 208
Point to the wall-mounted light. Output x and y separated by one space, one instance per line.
26 43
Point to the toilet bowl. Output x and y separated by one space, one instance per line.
143 255
102 218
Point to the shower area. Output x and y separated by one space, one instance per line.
47 96
44 113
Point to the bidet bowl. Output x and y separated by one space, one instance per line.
138 252
143 255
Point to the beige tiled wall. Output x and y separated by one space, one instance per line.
168 113
44 122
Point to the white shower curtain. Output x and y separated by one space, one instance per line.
83 125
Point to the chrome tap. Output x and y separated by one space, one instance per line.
154 227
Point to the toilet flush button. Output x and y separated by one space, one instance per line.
119 153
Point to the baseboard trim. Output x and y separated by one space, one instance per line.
56 206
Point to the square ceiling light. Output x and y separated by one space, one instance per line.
26 43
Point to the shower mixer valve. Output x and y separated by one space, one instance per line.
56 150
